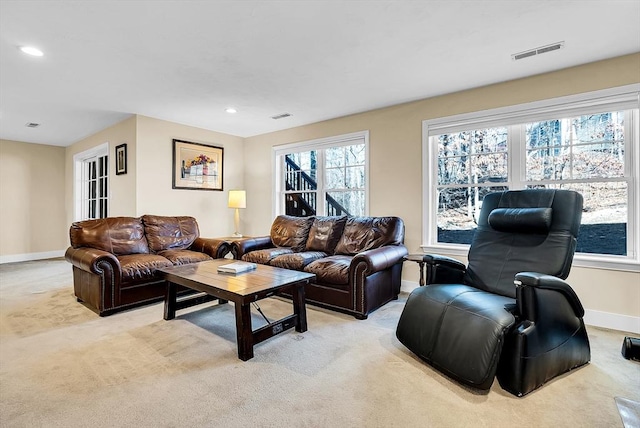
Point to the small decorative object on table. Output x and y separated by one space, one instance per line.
237 199
236 267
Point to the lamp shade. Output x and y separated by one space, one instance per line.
237 199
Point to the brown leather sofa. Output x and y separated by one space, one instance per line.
115 259
357 260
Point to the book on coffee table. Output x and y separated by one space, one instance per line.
236 267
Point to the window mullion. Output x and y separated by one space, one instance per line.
517 156
321 197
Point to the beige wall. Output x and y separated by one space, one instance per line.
154 181
396 169
147 186
122 191
32 210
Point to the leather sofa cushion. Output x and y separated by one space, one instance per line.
135 267
331 270
264 256
184 257
289 231
365 233
521 220
296 261
325 232
116 235
170 233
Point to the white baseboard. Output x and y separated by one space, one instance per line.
612 321
12 258
591 317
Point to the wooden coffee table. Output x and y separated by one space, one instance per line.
242 289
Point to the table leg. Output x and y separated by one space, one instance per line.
244 334
299 307
170 301
421 273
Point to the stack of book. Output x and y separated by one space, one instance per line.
236 267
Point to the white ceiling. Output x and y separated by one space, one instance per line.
186 61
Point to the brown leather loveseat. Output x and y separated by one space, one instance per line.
357 260
115 259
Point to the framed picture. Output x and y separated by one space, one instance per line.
197 166
121 159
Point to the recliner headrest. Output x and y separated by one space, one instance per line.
521 220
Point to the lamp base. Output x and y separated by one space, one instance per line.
237 235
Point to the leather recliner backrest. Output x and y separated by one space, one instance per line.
531 230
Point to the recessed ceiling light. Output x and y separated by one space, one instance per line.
231 110
30 50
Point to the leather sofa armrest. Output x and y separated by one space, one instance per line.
379 259
216 248
243 246
87 259
534 281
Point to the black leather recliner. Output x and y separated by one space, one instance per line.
508 313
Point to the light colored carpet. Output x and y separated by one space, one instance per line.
63 366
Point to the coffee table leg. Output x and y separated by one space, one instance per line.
299 307
170 301
244 334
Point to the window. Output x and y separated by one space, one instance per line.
91 169
323 177
587 145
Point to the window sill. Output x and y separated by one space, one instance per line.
582 260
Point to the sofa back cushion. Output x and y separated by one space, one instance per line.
116 235
325 232
291 232
365 233
170 233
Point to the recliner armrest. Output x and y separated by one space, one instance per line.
216 248
550 282
379 259
87 259
436 259
443 269
239 248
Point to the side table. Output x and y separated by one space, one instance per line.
417 258
231 247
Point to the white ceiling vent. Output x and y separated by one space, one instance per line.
538 51
31 125
281 116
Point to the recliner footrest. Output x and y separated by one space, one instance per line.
448 326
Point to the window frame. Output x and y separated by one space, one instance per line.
80 191
321 144
614 99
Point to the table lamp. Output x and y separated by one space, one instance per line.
237 199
